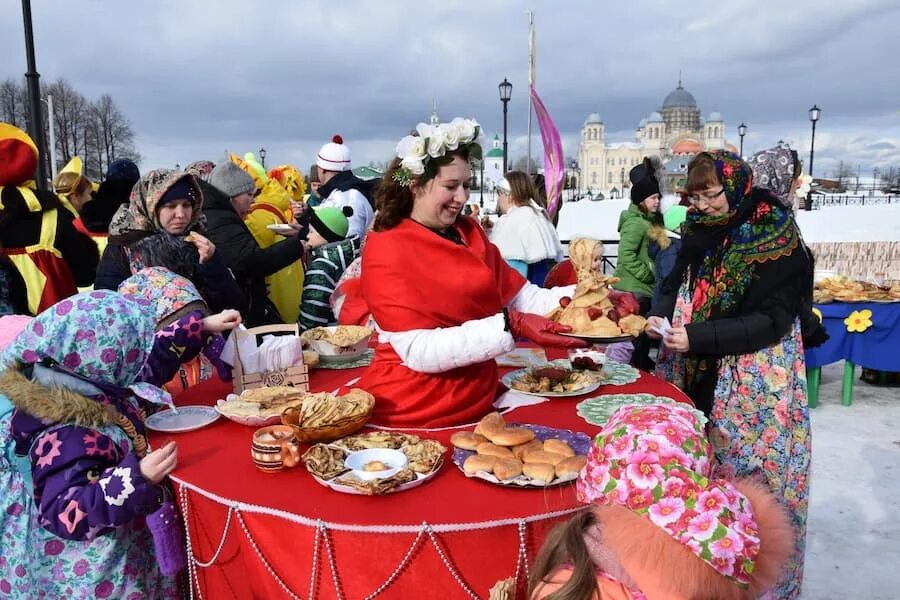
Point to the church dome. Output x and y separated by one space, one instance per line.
679 98
715 116
593 118
687 146
654 117
642 123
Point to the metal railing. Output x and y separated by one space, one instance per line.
821 201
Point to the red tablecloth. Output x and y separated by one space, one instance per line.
284 535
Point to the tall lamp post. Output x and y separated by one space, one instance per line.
814 113
742 131
574 179
34 98
505 88
262 157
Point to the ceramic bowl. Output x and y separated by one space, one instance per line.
393 459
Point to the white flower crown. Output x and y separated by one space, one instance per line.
432 142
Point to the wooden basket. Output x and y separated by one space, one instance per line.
324 433
296 376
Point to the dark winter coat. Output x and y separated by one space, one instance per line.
249 263
662 250
97 213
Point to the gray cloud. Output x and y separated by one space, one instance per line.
198 77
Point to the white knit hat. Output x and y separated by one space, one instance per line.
334 156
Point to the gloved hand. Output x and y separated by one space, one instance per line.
541 331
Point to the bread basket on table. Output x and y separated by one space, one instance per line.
324 417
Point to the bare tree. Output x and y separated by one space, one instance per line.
13 103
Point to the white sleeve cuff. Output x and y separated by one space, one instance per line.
446 348
538 300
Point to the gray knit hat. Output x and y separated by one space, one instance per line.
230 179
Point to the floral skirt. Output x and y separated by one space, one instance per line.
759 427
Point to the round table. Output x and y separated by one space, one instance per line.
274 535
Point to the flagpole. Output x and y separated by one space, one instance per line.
530 83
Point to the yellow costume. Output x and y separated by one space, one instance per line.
273 206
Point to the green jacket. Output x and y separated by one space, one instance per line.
634 267
327 264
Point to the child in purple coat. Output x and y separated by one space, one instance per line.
78 474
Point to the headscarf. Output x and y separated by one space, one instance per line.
171 296
656 461
722 252
773 169
200 168
141 212
98 336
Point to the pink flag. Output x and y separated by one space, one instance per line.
554 166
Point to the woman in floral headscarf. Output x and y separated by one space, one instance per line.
661 525
161 227
735 296
78 474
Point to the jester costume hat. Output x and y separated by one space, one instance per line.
290 179
100 336
18 162
654 461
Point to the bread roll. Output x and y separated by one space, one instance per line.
542 456
541 472
467 440
558 447
310 358
521 449
507 468
571 466
479 462
511 436
489 449
491 423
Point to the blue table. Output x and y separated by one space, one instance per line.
878 347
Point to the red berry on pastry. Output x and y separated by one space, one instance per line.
564 301
594 313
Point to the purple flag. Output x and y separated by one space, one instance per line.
554 166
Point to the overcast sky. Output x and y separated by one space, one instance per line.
198 77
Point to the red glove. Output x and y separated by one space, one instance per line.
541 331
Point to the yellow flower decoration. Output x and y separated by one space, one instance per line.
818 313
859 321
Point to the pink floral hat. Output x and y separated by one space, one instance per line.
656 461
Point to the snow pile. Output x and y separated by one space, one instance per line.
878 223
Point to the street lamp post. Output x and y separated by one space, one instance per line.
34 98
481 183
505 88
742 131
262 157
574 166
50 119
814 113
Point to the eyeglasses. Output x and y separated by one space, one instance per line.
707 198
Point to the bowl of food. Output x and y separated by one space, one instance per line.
337 343
376 463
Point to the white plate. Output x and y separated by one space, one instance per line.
280 228
508 379
346 489
186 418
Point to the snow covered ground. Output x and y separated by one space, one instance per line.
878 223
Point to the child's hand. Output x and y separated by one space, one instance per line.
205 247
159 463
223 321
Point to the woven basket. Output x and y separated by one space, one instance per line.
325 433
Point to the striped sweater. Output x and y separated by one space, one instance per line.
326 265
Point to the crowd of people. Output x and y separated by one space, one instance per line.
169 261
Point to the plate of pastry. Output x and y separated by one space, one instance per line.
520 455
258 407
555 379
280 228
375 462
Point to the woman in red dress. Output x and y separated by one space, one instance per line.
444 301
